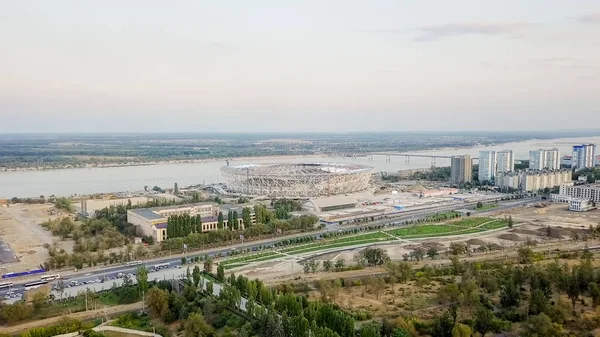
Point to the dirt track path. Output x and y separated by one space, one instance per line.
84 315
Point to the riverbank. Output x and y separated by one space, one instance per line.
92 180
156 162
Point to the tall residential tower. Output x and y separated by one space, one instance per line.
544 159
461 169
505 161
583 156
487 165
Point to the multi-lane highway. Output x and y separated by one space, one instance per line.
105 277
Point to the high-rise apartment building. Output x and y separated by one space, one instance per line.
461 170
537 159
487 165
544 159
552 159
505 161
583 156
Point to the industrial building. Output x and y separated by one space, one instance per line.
461 169
153 221
487 165
583 156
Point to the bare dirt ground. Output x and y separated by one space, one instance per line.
84 315
532 228
20 228
555 214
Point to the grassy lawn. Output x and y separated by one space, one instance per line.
500 223
334 244
470 222
487 207
251 258
424 230
348 240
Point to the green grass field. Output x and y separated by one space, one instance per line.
487 207
252 258
462 226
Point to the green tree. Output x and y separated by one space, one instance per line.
208 265
486 321
220 272
196 326
157 301
541 326
340 264
594 293
510 295
510 221
210 288
537 302
230 220
176 189
196 276
375 256
442 326
236 223
220 220
369 330
327 265
246 217
141 277
461 330
432 253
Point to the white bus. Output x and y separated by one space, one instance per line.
6 285
162 265
133 263
50 277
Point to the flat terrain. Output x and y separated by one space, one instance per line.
21 230
497 243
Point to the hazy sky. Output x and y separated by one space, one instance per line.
283 65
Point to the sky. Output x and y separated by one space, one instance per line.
310 65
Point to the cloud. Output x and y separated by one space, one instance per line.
432 33
589 18
564 62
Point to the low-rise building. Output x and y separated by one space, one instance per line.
332 203
581 205
588 192
153 221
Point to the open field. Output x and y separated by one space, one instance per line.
20 229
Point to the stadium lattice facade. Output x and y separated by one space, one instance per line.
305 180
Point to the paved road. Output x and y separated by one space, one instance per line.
110 274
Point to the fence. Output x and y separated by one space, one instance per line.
23 273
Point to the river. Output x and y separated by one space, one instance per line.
65 182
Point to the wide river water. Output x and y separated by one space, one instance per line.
67 182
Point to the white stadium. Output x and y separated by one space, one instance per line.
299 180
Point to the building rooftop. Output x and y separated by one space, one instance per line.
338 200
210 219
163 208
161 225
147 213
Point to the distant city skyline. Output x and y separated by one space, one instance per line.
279 66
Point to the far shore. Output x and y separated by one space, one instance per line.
157 162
